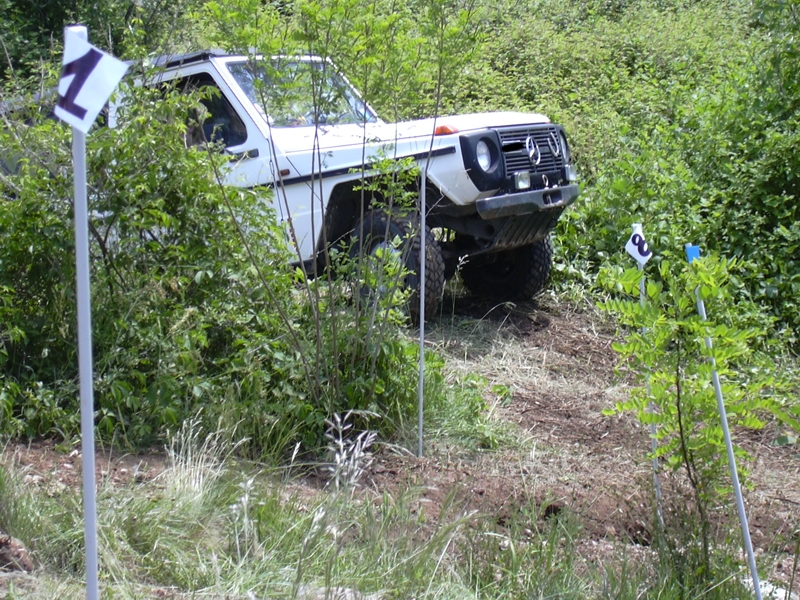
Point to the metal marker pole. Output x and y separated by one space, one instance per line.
692 253
638 249
653 432
85 350
422 236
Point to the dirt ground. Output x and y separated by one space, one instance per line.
560 368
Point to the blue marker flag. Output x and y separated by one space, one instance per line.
692 252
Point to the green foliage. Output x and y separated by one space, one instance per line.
672 363
167 301
749 168
405 58
194 308
395 184
690 133
602 69
30 32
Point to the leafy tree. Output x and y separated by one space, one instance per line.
32 32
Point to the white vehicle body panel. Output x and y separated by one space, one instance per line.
300 166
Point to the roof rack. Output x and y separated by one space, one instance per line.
176 60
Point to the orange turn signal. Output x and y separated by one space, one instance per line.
445 130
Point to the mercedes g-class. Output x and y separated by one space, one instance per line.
495 183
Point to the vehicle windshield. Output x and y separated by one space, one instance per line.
294 93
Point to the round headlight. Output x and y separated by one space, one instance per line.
484 155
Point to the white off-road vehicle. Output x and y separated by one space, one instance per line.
495 186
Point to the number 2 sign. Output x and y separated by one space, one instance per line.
87 80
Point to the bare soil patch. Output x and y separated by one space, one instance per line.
54 467
575 459
562 370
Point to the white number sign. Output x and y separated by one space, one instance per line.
637 247
87 80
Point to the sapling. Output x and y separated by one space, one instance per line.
664 351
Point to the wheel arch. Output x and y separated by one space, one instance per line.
347 204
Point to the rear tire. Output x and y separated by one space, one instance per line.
379 229
518 274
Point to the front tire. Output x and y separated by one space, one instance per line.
379 229
518 274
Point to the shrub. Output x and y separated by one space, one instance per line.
667 356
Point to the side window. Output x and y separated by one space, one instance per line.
214 119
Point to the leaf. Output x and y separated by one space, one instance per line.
785 440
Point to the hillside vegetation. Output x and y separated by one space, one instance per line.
683 116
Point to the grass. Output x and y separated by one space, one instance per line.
212 526
209 526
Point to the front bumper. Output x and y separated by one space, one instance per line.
528 202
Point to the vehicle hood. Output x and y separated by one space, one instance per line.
328 137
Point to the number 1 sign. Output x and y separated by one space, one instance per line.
88 78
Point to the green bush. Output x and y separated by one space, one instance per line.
698 146
194 304
170 276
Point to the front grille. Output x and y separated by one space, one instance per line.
513 140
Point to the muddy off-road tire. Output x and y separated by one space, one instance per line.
379 229
517 274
